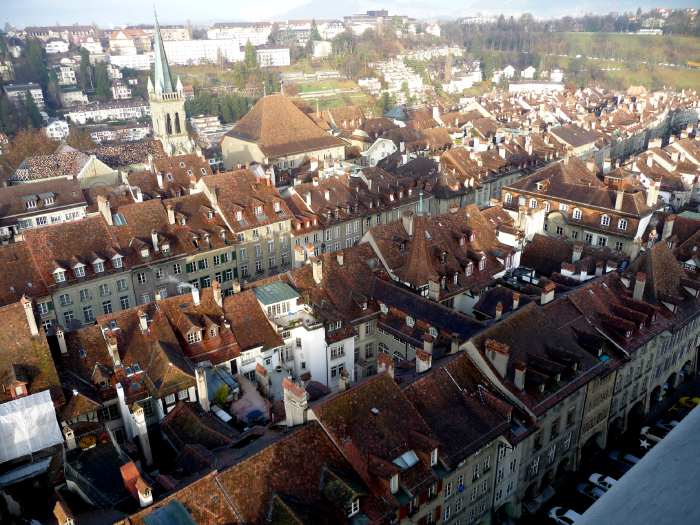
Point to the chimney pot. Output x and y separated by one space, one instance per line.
639 282
499 310
516 300
519 376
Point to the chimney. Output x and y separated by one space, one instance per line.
619 196
516 300
653 194
519 377
216 291
159 178
499 310
327 195
317 270
497 353
236 286
171 213
650 161
307 199
61 336
313 164
195 295
113 349
104 209
339 258
547 292
407 220
385 364
424 356
61 512
639 282
139 421
576 255
502 151
454 343
143 320
599 266
296 403
668 227
29 313
69 436
139 195
154 240
202 391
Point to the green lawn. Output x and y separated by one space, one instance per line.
324 85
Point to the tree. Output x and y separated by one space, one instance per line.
80 139
9 122
85 70
251 57
33 114
102 84
314 34
26 143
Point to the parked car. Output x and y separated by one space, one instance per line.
602 481
589 490
624 461
689 402
654 433
667 425
562 516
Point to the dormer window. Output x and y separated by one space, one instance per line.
117 261
194 336
622 224
212 331
394 484
60 276
182 220
469 269
48 200
258 210
144 253
169 176
165 248
508 198
79 270
210 214
482 264
577 214
182 164
433 457
605 220
409 321
30 204
203 171
239 215
99 267
190 173
433 331
563 207
276 207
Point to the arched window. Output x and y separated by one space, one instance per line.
177 124
605 220
168 125
577 214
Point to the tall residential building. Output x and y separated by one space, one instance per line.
167 102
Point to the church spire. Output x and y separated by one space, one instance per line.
162 78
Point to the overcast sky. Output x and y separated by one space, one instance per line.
108 13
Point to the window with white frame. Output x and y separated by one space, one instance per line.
79 270
508 198
605 220
533 203
194 336
394 483
99 267
622 224
577 214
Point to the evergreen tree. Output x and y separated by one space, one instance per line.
9 123
102 84
251 57
85 70
33 114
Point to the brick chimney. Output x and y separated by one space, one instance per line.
171 213
29 312
639 282
653 194
61 337
295 402
407 221
143 320
619 196
317 270
113 349
385 364
104 209
195 295
497 353
216 291
547 292
499 310
516 300
519 375
159 179
424 356
668 227
154 240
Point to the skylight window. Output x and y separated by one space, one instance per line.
406 460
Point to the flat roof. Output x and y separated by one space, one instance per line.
275 292
661 489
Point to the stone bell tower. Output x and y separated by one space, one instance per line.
167 103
